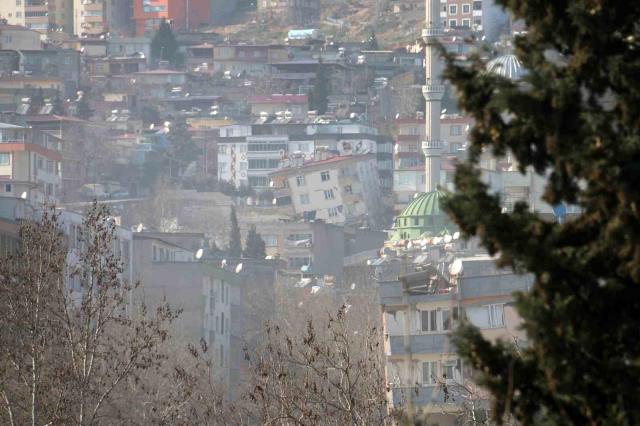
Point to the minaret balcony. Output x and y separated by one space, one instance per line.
430 33
432 147
433 92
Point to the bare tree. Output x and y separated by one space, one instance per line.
330 374
67 355
28 323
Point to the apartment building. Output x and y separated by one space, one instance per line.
234 60
477 15
297 106
16 37
30 164
182 14
423 297
339 189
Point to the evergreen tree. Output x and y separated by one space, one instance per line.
57 106
164 46
372 42
574 118
83 110
254 246
235 240
320 94
183 149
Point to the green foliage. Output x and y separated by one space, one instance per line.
372 42
182 150
83 110
164 46
234 249
318 99
254 246
574 116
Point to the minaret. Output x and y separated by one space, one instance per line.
433 91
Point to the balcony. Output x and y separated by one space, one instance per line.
420 344
496 285
420 395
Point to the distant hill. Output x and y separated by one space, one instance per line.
343 19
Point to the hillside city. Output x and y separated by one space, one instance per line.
254 197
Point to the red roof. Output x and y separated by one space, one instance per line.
277 99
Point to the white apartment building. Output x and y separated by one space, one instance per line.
338 189
30 164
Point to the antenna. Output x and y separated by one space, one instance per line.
455 268
223 263
447 239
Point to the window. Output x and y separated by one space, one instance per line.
487 316
222 167
258 181
429 372
455 130
436 320
466 9
267 147
222 149
328 194
477 5
453 9
446 320
7 187
325 176
304 198
221 355
5 159
301 181
348 189
477 20
222 293
222 323
466 23
270 240
264 163
453 23
40 164
333 212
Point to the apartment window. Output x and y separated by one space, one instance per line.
264 163
222 291
453 9
270 240
487 316
304 199
333 212
222 323
477 5
18 14
155 253
7 187
325 176
348 189
466 9
435 320
222 149
18 2
429 372
301 181
453 23
49 166
40 164
455 130
466 23
221 355
477 20
328 194
5 159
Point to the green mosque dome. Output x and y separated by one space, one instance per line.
423 217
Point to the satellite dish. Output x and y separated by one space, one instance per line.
353 286
140 227
455 268
151 126
443 111
239 268
199 254
346 308
223 263
447 239
24 195
315 289
436 240
456 235
274 201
